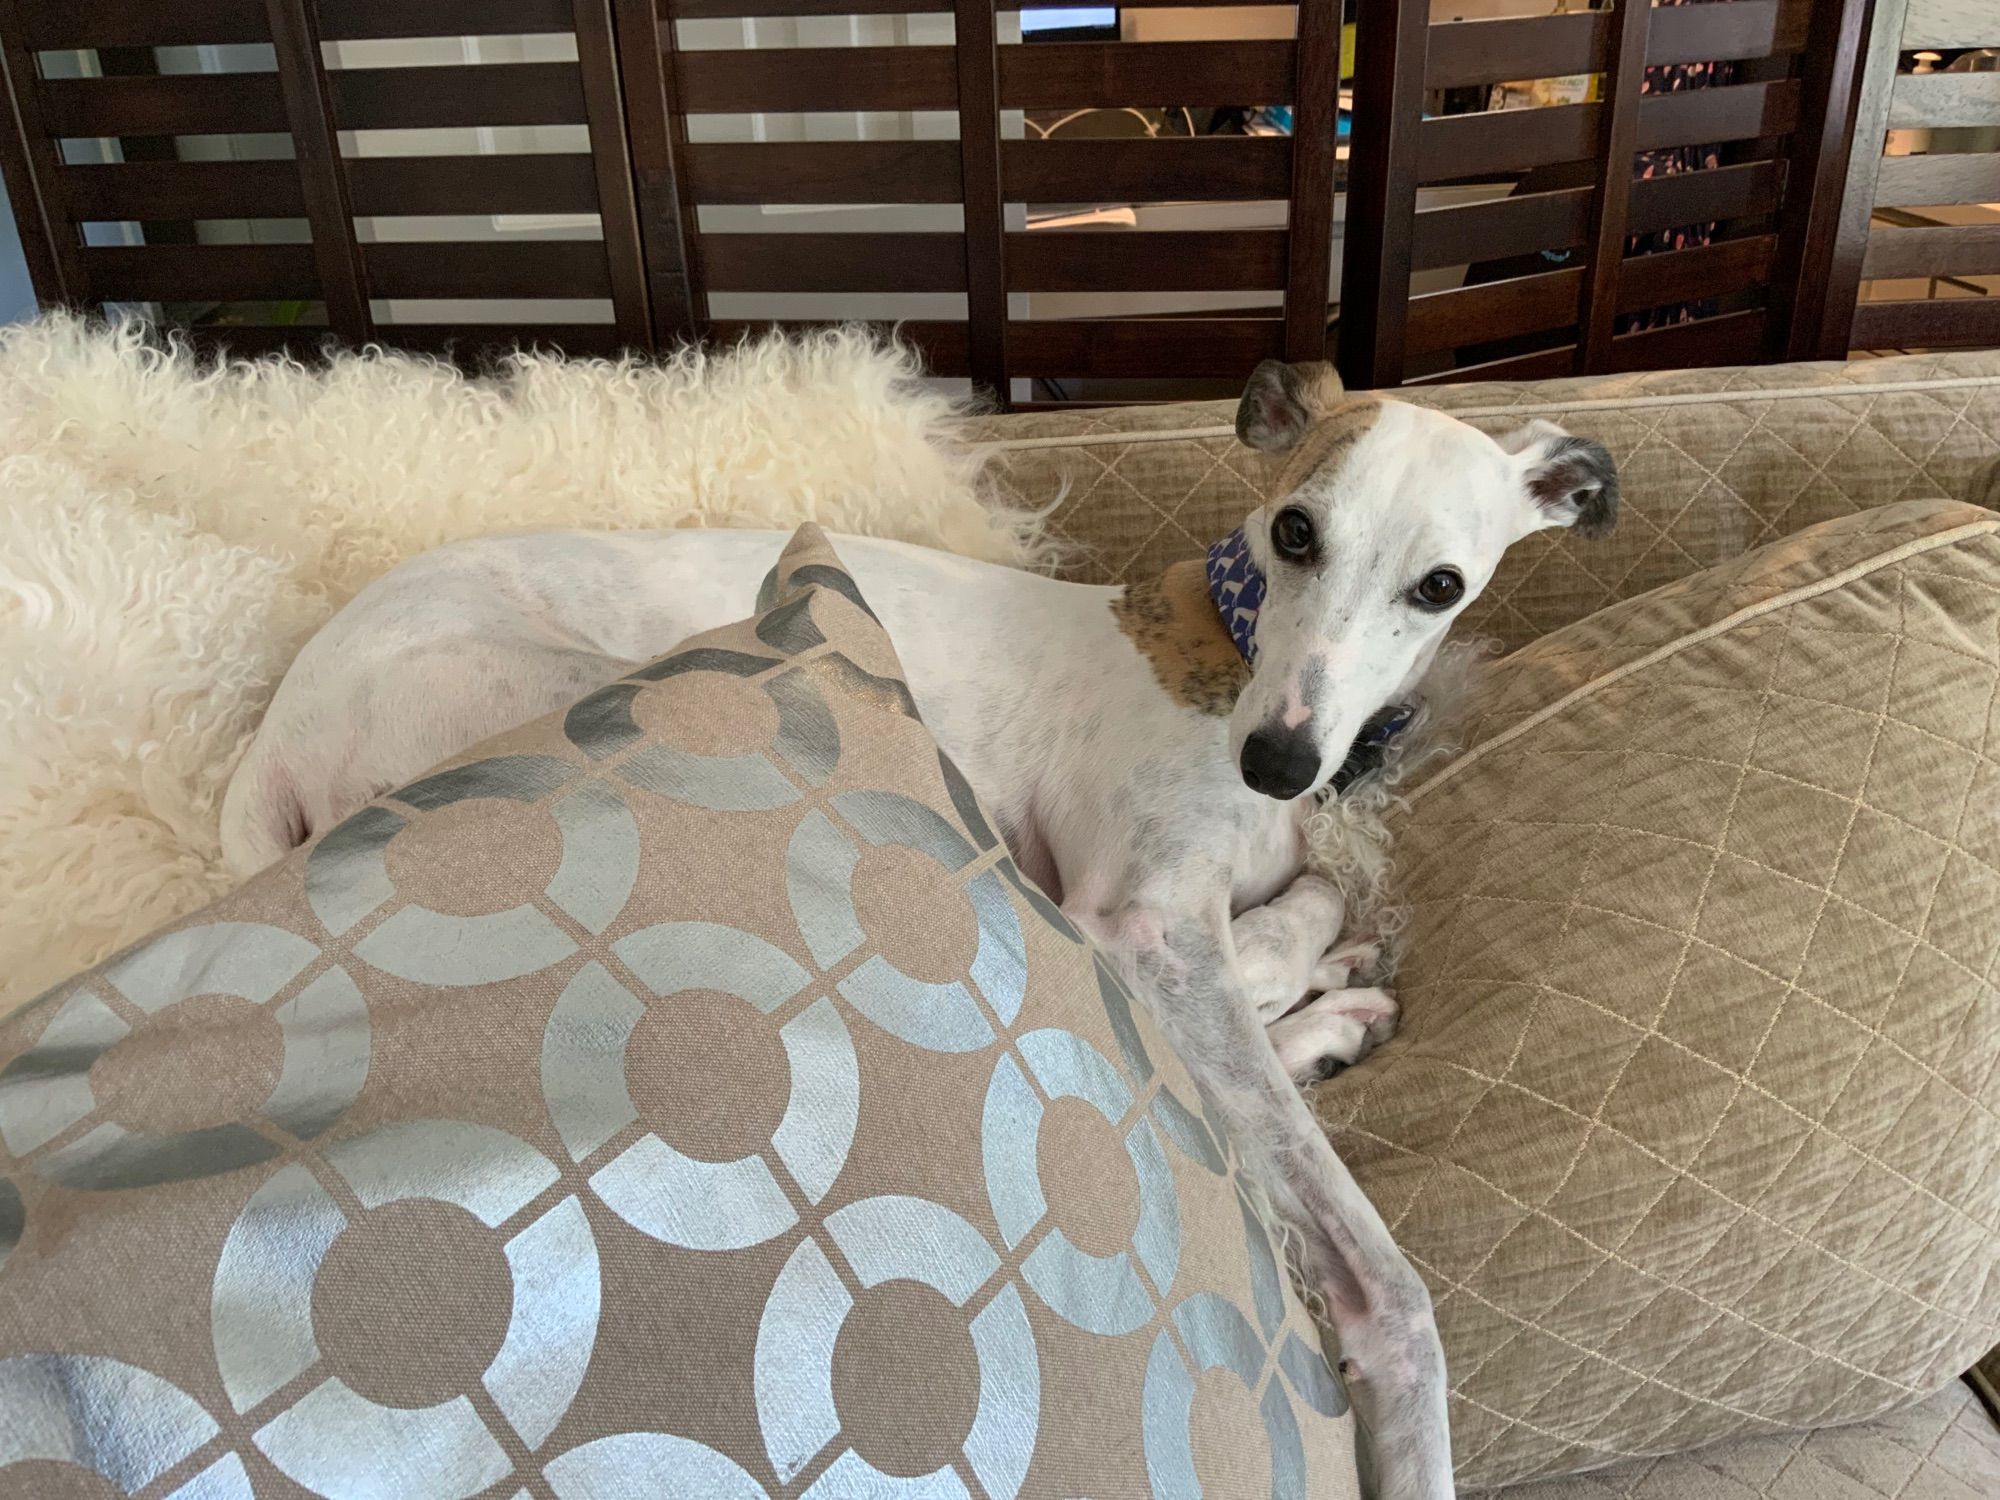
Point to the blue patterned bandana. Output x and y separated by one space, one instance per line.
1236 584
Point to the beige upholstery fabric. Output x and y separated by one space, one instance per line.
1714 462
1945 1448
683 1095
1691 1124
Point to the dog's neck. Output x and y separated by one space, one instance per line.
1236 588
1172 619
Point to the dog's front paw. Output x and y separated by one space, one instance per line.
1334 1031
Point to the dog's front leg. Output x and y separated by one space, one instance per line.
1280 945
1380 1309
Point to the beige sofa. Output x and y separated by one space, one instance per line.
1716 464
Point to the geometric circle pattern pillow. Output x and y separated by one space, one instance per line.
1693 1123
684 1095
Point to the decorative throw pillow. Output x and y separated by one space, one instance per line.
1691 1124
684 1096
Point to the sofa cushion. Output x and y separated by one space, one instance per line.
1691 1123
1713 462
683 1095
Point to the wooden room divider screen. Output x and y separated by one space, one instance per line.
1765 280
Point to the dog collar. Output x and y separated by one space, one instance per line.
1236 584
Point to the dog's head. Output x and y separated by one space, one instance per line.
1386 521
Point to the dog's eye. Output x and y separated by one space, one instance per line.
1292 533
1440 588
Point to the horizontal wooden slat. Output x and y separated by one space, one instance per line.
1924 100
478 344
1543 364
1700 117
1971 177
351 20
1086 260
200 273
942 345
184 190
834 262
1140 347
1956 250
443 98
1727 33
64 24
1938 323
824 172
176 104
1139 171
1950 23
1500 229
817 78
1689 275
1494 310
481 268
1699 197
1468 52
706 10
1732 339
1079 75
531 183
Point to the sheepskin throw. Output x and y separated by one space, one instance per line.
174 531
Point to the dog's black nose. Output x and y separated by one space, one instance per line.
1280 763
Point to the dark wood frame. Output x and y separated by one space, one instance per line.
1796 201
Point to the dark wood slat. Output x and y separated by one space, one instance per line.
1493 310
316 147
1971 177
824 172
1507 140
708 10
835 262
1732 339
985 242
477 345
443 98
656 135
1959 250
1378 246
482 268
1840 281
817 78
1728 33
942 345
617 197
1468 52
1695 273
1816 166
59 25
1937 323
1309 216
1945 99
1138 171
351 20
1543 364
1698 197
554 183
1701 117
195 273
1079 75
1196 260
176 104
184 190
34 173
1223 347
1499 230
1610 205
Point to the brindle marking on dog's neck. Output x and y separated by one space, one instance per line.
1173 622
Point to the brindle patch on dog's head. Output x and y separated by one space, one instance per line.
1174 623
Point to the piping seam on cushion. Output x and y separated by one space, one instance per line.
1915 547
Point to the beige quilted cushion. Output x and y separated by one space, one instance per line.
1714 462
1691 1124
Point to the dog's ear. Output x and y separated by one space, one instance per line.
1570 481
1281 402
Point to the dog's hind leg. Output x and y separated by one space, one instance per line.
1336 1029
1281 944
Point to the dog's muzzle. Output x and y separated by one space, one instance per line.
1280 763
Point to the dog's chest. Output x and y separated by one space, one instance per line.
1270 852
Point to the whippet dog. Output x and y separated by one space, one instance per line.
1150 751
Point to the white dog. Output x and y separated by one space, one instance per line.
1150 752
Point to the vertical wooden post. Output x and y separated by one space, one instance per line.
978 53
1315 133
655 133
322 176
49 241
1597 299
1842 277
1392 43
617 202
